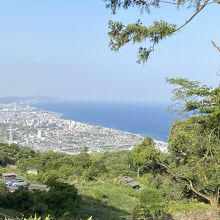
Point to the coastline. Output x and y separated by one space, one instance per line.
44 130
142 119
88 124
160 144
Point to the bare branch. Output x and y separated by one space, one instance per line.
216 46
194 15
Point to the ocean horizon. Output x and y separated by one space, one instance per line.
145 119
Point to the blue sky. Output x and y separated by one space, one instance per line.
60 49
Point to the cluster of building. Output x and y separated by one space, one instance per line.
29 126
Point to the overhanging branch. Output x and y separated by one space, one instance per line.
215 45
200 8
190 183
196 191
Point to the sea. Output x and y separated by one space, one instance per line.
145 119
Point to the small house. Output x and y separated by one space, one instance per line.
9 175
32 171
135 185
130 181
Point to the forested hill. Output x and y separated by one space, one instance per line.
12 153
93 185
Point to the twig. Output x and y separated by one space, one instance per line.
216 46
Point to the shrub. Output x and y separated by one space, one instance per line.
151 205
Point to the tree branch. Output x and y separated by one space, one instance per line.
215 45
194 15
190 184
196 191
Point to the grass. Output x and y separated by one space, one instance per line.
181 206
110 201
107 200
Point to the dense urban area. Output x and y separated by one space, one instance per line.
26 125
29 126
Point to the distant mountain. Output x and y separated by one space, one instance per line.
27 99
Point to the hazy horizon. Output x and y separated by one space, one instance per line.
56 99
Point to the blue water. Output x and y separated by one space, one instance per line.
140 118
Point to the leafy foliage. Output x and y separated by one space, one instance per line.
195 97
152 203
60 200
194 145
137 33
146 5
145 154
78 168
10 153
3 190
195 156
121 34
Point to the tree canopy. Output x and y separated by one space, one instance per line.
194 142
137 32
200 100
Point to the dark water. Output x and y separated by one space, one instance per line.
140 118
